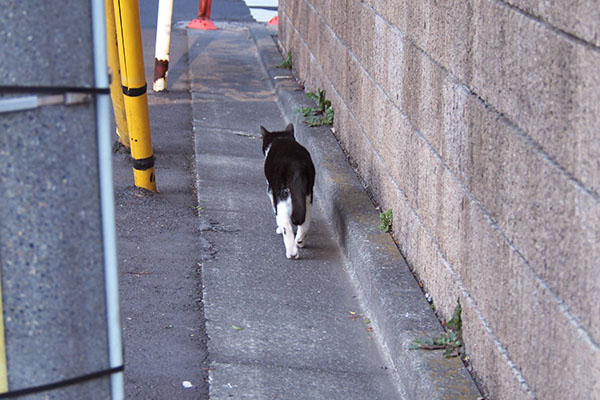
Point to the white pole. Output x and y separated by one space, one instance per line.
111 277
163 40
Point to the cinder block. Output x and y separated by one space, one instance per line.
544 82
435 195
519 307
444 30
492 367
537 208
542 320
581 20
498 375
520 311
481 264
493 49
470 190
432 266
303 15
366 37
505 182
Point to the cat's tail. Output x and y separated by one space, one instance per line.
298 192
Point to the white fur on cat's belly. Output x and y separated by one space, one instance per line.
285 226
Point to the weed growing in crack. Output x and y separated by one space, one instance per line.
322 114
387 218
451 341
287 62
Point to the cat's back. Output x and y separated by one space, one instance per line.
286 150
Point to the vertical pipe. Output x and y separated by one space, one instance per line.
3 366
116 93
163 40
131 56
115 348
204 9
203 21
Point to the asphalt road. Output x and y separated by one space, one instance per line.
160 249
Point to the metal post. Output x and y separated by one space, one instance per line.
131 57
116 93
3 368
204 9
203 21
111 282
163 40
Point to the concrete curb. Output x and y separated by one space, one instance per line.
388 291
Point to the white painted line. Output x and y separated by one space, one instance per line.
261 15
264 3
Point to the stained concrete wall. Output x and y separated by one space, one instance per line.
477 121
51 245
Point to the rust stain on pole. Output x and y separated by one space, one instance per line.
161 70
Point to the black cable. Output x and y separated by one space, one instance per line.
60 384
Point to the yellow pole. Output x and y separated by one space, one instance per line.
133 80
3 368
116 93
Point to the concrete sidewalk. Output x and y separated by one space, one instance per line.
335 324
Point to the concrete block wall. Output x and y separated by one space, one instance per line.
51 240
477 122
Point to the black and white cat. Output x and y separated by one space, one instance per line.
290 177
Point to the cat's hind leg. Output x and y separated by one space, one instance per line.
270 194
303 229
284 224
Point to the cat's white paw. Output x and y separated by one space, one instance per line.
300 242
278 230
293 254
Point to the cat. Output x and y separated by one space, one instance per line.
290 175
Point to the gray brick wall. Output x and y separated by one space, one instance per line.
477 122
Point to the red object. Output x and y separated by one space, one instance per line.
203 21
203 24
274 21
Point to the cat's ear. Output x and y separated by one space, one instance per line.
289 127
263 131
